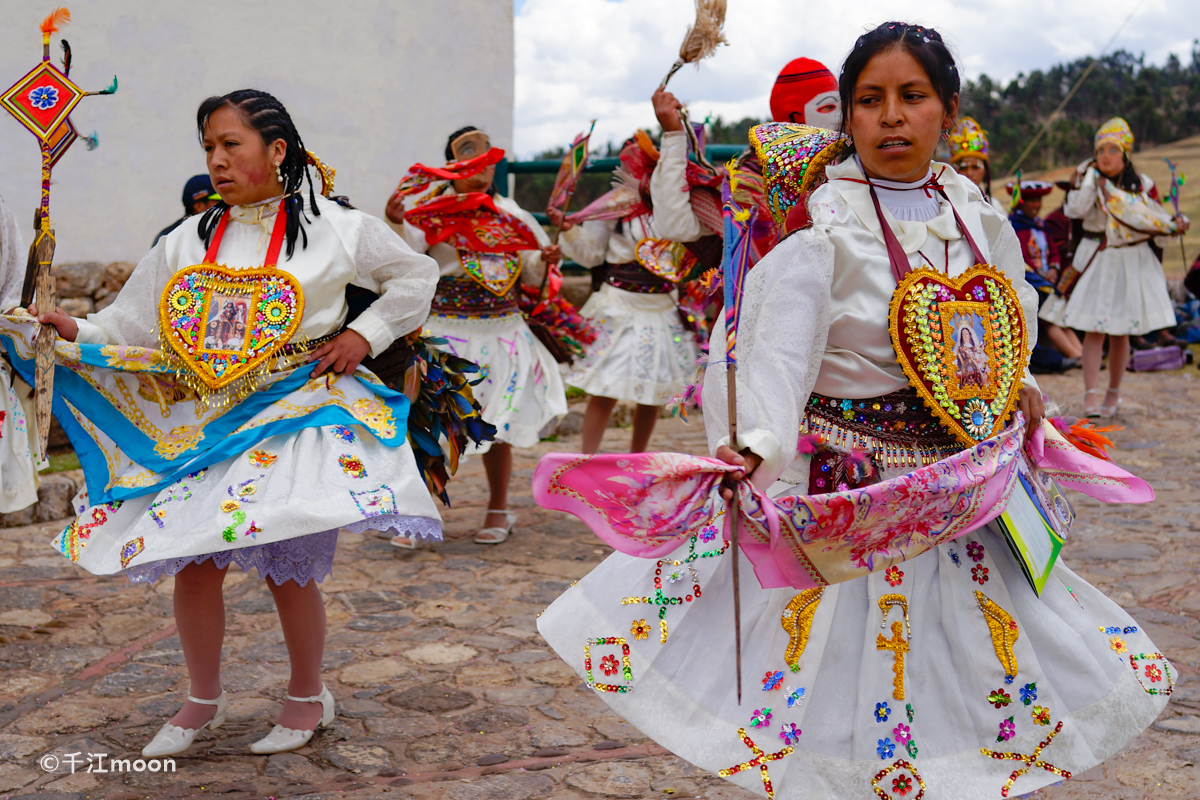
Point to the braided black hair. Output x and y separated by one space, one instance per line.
265 114
923 44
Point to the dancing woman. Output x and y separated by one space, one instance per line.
925 674
1116 286
189 472
642 353
476 310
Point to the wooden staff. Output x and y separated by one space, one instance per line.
731 375
44 297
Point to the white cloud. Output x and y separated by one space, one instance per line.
583 59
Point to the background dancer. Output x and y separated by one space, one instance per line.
1116 287
476 309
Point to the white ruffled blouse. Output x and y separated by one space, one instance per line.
345 246
815 309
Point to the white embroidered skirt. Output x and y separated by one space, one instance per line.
18 444
1123 291
642 353
522 391
901 678
286 488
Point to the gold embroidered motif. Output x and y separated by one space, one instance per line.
797 620
899 646
179 440
1004 633
376 415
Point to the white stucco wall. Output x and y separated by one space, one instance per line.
373 85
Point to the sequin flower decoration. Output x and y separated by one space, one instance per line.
886 748
795 697
909 709
1118 644
1041 715
1008 729
676 574
708 533
761 718
1153 673
975 551
882 712
1028 693
345 434
902 785
902 733
609 665
979 573
352 466
893 576
640 629
954 557
790 733
262 459
773 680
999 698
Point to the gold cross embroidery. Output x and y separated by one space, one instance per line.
899 646
760 760
1030 760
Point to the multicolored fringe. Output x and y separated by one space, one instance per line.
558 325
442 405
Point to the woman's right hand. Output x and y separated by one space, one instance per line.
666 108
395 209
748 462
559 220
63 322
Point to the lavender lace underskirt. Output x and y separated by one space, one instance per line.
300 559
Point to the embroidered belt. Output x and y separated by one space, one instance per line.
295 348
861 437
464 297
633 277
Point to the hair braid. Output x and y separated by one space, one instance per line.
265 114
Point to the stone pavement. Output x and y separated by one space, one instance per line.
444 688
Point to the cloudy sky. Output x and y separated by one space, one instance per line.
579 59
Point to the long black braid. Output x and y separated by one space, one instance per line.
266 115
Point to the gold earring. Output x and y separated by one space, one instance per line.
279 171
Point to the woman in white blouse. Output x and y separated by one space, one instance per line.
279 485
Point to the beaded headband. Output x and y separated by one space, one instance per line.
793 159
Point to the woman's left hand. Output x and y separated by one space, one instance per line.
1031 405
552 254
344 353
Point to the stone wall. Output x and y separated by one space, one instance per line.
90 286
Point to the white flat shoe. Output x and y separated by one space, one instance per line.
496 535
283 740
171 740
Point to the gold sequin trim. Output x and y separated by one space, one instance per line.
797 620
1004 632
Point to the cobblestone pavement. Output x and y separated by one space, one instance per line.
444 688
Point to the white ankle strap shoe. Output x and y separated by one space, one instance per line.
283 740
171 740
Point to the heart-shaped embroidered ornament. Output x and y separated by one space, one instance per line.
963 345
225 327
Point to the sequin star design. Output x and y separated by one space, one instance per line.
1030 761
760 760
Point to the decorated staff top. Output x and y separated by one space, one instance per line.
43 99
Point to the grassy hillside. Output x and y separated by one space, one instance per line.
1186 156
